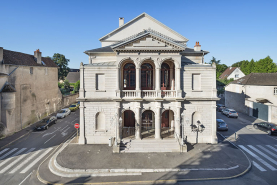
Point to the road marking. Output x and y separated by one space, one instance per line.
64 128
272 137
4 150
258 166
271 147
64 133
258 158
25 178
269 152
11 157
35 161
50 139
262 154
15 161
51 132
25 161
8 153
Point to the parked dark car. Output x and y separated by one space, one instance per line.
221 125
46 123
269 128
219 109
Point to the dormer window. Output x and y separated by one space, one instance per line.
237 76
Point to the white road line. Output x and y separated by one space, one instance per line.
268 151
271 147
35 161
272 137
8 153
15 161
50 138
24 162
64 128
4 150
258 158
258 166
11 157
262 154
25 178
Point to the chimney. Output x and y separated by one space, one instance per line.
197 47
37 55
121 21
1 54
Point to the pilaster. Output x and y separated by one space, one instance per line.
138 121
138 82
158 121
178 119
81 90
82 125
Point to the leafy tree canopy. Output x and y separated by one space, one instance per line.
66 84
220 68
265 65
214 61
62 63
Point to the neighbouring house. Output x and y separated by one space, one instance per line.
254 94
142 84
73 76
28 89
232 72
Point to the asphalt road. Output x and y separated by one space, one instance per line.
20 160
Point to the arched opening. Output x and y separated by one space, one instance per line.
129 76
167 124
148 124
165 77
128 129
147 77
100 121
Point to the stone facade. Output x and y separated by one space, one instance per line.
146 86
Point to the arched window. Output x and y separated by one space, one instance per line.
129 77
165 75
100 121
147 77
196 118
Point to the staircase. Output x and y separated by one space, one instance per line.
149 146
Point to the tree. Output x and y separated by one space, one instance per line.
220 68
214 61
66 84
250 67
77 86
244 66
62 63
265 65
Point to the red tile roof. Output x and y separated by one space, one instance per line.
17 58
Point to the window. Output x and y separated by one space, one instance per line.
236 75
147 77
100 81
196 82
165 73
129 77
31 70
275 90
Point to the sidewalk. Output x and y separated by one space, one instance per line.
73 161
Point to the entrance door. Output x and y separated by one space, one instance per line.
129 124
260 111
165 119
148 124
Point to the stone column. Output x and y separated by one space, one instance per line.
138 121
171 79
214 137
118 124
178 119
178 81
117 88
138 84
158 121
82 124
81 90
158 82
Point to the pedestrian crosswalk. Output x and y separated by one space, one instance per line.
265 156
13 160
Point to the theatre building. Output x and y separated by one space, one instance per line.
144 88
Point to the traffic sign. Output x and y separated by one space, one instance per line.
77 125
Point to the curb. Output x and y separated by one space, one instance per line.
57 169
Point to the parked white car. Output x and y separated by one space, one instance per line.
63 113
224 111
232 113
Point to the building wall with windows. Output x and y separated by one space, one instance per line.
147 85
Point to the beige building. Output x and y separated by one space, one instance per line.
145 88
232 72
254 94
28 89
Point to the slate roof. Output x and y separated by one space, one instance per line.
258 79
17 58
227 72
74 70
73 77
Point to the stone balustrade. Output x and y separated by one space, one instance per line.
148 94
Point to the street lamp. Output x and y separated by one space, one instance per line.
118 122
199 127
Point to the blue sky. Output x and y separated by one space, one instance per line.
230 30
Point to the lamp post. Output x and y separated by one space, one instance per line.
197 128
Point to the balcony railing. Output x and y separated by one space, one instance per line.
148 94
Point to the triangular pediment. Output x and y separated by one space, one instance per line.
148 40
140 23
